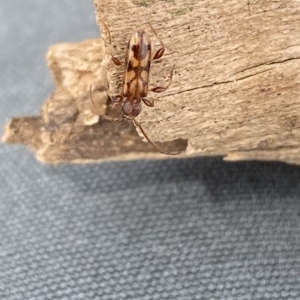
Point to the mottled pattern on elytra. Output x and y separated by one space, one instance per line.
137 67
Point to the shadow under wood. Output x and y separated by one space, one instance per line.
65 143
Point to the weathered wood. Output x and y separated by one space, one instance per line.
69 129
235 90
236 87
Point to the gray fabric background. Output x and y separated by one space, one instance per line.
182 229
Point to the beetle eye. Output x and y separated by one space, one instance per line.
136 111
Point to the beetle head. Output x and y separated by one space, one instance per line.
132 110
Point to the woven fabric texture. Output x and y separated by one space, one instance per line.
175 229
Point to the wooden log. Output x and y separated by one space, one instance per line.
235 90
69 129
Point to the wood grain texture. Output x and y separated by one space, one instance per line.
236 87
235 90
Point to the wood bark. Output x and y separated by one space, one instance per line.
235 90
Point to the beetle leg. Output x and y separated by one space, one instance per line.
148 102
160 52
114 59
116 100
160 89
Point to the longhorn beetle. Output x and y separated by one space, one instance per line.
136 78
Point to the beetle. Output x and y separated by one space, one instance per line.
136 78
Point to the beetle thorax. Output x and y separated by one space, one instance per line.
132 109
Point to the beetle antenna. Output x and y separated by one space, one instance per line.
115 60
149 141
109 36
154 31
171 76
92 100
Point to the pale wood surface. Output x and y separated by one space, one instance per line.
235 90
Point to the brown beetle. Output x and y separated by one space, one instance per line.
136 78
